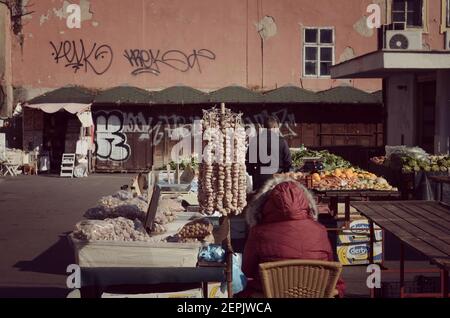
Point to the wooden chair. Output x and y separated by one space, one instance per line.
300 279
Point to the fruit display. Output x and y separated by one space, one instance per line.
413 159
330 161
410 164
349 179
222 183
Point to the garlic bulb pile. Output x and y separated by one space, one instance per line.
222 178
118 229
121 204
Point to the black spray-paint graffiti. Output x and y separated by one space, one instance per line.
113 127
151 61
78 56
111 142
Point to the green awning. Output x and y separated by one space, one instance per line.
290 94
124 95
65 95
180 95
346 95
235 94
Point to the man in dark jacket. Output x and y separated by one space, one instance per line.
268 154
283 226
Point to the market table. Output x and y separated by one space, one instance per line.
422 225
347 195
441 180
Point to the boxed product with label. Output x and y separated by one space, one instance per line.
353 243
359 232
358 253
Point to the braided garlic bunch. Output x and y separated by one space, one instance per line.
222 179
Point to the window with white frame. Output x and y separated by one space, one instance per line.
408 12
318 51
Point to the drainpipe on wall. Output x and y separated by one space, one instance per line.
6 90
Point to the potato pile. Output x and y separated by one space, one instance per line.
222 177
197 230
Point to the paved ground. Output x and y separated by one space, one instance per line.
37 212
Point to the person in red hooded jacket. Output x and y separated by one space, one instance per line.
283 225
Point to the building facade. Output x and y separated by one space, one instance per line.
206 45
414 62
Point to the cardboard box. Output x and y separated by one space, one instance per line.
353 243
359 232
357 254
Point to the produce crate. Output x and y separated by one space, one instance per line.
135 254
414 185
139 254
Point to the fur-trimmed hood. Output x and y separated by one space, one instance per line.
255 207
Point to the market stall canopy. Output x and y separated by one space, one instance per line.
347 95
290 94
235 94
124 95
71 99
180 95
381 64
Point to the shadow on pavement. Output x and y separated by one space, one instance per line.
52 261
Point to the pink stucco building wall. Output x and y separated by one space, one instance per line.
218 38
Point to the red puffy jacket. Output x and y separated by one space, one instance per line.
286 231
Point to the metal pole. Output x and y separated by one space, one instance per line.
444 283
402 270
371 252
347 212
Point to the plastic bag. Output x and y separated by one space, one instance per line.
239 279
413 152
80 171
212 253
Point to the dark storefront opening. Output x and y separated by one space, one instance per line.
61 132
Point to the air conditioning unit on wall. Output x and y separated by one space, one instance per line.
447 40
404 40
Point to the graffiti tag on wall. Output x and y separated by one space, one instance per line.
111 142
80 56
153 61
113 127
